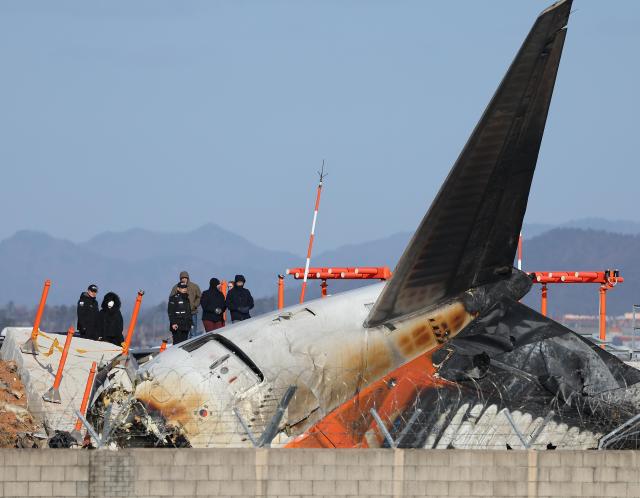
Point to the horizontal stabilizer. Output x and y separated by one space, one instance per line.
470 233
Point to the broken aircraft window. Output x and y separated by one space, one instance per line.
192 346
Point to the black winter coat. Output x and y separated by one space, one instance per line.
213 305
111 321
239 302
88 317
179 310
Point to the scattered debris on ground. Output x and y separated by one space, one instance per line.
17 425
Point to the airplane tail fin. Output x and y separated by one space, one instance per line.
470 233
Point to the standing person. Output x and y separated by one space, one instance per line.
213 306
195 294
239 300
111 322
179 309
88 319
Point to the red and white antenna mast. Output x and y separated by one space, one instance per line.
520 252
313 230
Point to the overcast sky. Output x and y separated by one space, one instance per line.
167 115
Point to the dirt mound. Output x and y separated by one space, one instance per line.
16 423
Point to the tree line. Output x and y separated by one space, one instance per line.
152 325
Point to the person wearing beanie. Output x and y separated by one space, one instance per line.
213 306
239 300
88 319
111 322
179 310
194 292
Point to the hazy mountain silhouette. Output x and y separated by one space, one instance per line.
556 249
126 261
580 250
627 227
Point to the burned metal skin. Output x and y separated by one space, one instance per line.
320 347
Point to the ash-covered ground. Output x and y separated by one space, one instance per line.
17 424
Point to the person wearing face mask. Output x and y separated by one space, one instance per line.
239 300
111 321
88 320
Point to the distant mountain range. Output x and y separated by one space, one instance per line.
126 261
626 227
580 250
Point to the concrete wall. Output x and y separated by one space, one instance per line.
362 473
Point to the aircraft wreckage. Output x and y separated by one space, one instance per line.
441 355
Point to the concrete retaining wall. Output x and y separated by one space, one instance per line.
362 473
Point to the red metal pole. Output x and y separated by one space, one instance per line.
223 289
520 252
280 292
132 323
603 314
323 287
53 394
31 346
313 230
543 304
85 397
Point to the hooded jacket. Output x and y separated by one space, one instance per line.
111 322
213 303
193 291
239 301
88 320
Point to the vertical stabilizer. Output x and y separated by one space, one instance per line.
470 233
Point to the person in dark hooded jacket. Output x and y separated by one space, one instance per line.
239 300
213 306
111 322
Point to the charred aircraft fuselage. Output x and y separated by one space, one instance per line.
320 347
448 320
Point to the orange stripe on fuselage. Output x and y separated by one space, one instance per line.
348 425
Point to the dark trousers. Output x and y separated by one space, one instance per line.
179 335
209 325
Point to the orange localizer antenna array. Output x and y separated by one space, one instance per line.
607 279
313 229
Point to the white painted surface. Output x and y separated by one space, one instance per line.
38 373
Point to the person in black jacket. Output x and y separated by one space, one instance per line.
88 314
239 300
111 323
213 306
179 310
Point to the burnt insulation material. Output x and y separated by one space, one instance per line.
512 357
